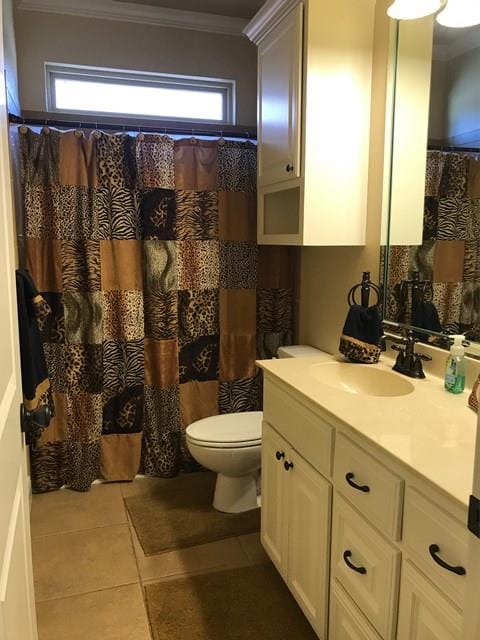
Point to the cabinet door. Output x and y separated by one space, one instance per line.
424 613
275 451
280 59
346 621
309 516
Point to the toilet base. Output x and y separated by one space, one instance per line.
235 495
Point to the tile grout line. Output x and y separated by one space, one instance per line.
69 531
84 593
142 588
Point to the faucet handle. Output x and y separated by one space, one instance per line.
424 357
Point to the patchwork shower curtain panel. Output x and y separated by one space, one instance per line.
145 250
449 256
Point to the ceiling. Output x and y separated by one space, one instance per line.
233 8
447 36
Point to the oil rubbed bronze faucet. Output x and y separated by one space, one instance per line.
408 362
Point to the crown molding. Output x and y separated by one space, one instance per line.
143 14
462 44
272 12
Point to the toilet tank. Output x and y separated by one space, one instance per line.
299 351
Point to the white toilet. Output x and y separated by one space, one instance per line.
230 445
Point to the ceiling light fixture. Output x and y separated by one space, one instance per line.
460 13
413 9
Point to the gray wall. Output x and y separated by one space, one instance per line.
45 37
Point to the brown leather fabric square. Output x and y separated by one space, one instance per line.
449 259
198 400
77 160
44 261
161 363
237 357
196 165
237 213
120 456
275 267
237 311
121 265
473 187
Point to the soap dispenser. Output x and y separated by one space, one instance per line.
455 369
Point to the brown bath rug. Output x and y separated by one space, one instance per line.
251 603
178 513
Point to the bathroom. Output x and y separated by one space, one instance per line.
238 239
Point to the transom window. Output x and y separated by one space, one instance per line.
93 91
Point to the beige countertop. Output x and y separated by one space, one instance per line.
431 431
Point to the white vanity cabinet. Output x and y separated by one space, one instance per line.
314 98
368 549
296 525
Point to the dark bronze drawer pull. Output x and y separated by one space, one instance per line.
280 455
288 465
434 551
346 556
349 478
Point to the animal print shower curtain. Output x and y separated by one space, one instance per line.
145 249
449 256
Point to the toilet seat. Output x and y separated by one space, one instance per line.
228 431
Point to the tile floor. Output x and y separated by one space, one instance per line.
90 568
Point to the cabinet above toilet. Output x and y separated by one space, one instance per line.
314 88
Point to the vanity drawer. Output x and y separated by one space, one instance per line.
308 434
367 566
431 536
374 490
346 621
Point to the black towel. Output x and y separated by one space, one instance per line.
361 334
32 308
425 316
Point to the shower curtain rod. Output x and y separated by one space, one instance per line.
228 131
445 147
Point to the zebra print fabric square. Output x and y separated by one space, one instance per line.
237 396
161 315
274 310
117 214
81 265
123 365
197 215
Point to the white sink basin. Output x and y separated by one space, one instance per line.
361 379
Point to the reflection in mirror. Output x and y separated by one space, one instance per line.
435 285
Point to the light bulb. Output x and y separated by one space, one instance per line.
460 13
413 9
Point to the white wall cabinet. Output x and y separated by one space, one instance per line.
279 102
296 525
398 548
314 110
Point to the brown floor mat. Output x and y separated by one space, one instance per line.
251 603
178 513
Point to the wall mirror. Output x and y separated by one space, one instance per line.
431 235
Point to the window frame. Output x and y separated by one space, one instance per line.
227 88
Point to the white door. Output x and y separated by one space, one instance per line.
275 452
471 629
17 608
280 62
309 517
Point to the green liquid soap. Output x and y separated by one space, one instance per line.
454 379
455 369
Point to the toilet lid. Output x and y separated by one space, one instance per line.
228 430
